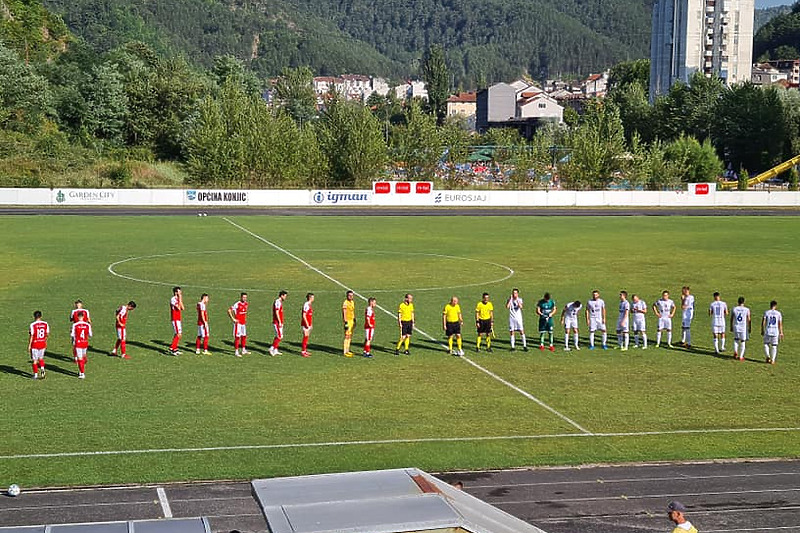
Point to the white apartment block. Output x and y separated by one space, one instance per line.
714 37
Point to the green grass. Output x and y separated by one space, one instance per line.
154 401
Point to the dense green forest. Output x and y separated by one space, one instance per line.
780 37
486 40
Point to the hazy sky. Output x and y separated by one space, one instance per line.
770 3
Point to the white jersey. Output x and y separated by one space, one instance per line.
688 312
772 321
596 308
639 309
741 316
624 310
718 310
664 307
514 309
571 315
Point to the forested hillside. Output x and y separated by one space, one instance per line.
486 40
780 37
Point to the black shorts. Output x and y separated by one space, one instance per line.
452 328
406 328
484 327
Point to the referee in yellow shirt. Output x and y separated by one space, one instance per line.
452 322
405 318
484 321
349 319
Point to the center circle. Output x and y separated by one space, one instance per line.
373 271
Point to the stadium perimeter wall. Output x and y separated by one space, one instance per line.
366 198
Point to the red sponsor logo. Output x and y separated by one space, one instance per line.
383 187
701 188
423 187
402 187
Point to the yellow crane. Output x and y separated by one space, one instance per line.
777 170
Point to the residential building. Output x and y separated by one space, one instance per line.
510 105
790 67
595 86
714 37
765 74
411 89
463 104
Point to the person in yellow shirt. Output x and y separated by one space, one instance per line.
452 322
484 320
349 319
677 513
405 318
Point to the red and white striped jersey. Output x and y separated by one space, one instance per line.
175 310
122 315
202 314
277 311
240 311
307 316
369 318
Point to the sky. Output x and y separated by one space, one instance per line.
770 3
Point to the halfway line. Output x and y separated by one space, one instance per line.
430 337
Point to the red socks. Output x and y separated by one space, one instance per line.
82 365
175 340
305 343
35 367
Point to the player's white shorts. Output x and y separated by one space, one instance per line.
686 321
718 329
515 324
772 340
740 335
37 354
623 326
176 327
203 331
665 323
121 334
80 353
239 330
369 333
596 323
639 323
278 330
306 330
570 323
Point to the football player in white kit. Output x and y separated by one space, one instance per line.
514 306
772 330
664 310
623 322
596 318
718 311
639 310
740 327
687 310
569 318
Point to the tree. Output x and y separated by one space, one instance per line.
636 72
352 142
25 99
294 93
107 104
698 161
437 81
417 143
749 127
598 148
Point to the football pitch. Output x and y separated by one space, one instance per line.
156 417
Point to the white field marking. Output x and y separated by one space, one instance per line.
379 442
162 498
112 270
421 332
649 496
569 518
797 528
605 481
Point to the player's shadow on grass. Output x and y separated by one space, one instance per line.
5 369
139 344
322 348
98 351
58 370
61 357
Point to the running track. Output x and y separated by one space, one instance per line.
723 497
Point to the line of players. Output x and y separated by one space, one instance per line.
452 322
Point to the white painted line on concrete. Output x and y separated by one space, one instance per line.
162 498
423 333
